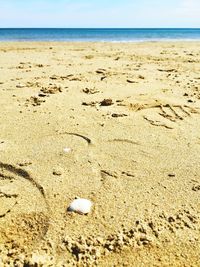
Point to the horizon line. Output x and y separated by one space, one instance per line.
131 28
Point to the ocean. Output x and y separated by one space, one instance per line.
103 35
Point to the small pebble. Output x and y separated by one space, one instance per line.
106 102
20 85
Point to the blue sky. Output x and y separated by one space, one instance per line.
100 13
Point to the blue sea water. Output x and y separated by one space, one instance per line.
104 35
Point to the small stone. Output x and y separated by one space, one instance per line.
106 102
20 85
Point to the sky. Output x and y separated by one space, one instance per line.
100 13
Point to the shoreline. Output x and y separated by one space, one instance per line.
105 42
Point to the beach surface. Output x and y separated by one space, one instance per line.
115 123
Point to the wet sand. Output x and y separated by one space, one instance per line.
130 115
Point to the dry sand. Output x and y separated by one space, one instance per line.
130 113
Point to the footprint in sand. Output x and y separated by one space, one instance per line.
167 114
23 207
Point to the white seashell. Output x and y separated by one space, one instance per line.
67 149
80 205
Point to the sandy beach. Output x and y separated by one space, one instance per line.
115 123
